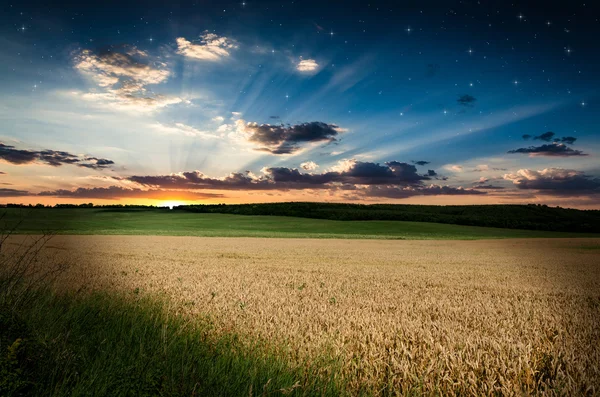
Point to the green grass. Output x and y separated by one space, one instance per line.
104 345
179 223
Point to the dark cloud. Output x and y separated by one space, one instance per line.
17 156
431 190
549 137
420 162
568 139
350 172
286 139
556 181
490 187
552 149
431 173
466 100
546 136
117 192
54 158
12 192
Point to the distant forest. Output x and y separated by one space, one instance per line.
530 217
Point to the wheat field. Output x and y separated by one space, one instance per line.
508 317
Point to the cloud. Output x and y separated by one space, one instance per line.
117 192
549 137
124 74
466 100
218 119
557 181
182 129
409 191
546 136
286 139
420 162
307 65
13 192
568 139
490 187
454 167
53 158
552 150
485 168
211 47
347 172
309 166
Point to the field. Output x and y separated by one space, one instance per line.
376 317
180 223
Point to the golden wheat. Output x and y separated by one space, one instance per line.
506 317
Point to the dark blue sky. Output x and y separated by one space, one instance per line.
297 100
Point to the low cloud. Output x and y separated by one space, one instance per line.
430 190
54 158
549 137
117 192
211 47
557 181
552 150
13 193
346 173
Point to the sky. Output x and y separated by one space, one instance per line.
420 102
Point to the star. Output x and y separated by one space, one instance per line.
445 112
408 30
582 103
331 33
22 29
287 96
548 23
520 16
568 50
470 51
516 82
151 39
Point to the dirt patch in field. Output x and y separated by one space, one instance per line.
456 317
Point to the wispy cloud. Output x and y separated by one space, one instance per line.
307 66
123 75
211 47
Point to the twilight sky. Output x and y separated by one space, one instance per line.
432 102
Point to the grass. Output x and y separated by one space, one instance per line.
176 223
104 344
